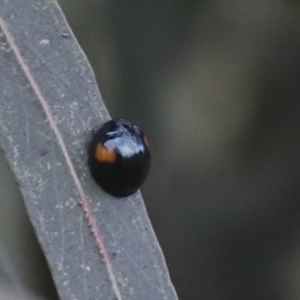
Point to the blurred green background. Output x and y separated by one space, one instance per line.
216 87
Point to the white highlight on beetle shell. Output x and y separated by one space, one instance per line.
127 145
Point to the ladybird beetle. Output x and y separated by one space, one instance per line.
119 157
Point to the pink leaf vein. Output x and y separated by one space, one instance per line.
83 200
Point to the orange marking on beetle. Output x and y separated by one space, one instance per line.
146 142
104 154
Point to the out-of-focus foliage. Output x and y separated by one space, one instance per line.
215 84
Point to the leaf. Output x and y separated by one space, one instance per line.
97 247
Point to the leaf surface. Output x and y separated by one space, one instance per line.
97 247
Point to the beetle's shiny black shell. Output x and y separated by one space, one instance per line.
123 176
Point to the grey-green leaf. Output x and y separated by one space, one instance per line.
97 247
